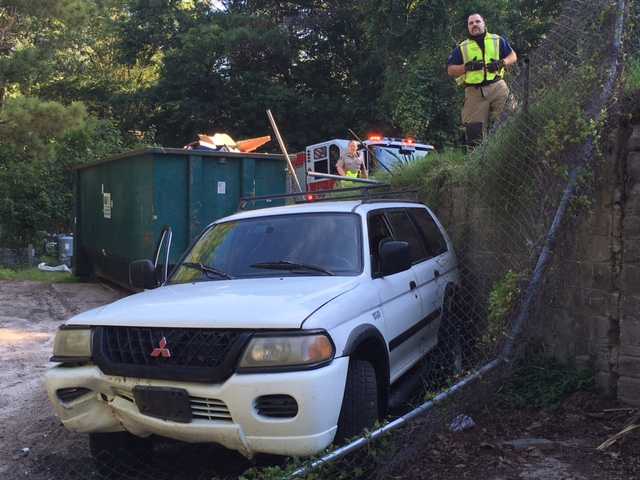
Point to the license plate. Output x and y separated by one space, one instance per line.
164 402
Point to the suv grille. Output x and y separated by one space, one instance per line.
189 354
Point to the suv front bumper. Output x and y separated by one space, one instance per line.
110 407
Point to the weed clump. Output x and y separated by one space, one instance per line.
35 275
541 382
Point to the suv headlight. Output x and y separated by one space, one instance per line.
72 344
287 351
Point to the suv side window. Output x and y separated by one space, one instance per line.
433 237
378 232
403 229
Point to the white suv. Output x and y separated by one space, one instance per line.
279 331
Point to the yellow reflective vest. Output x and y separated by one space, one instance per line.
472 51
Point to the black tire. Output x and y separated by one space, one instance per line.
450 350
120 453
360 402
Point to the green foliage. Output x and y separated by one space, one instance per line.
422 101
360 464
430 175
181 67
35 33
42 140
554 126
632 75
541 382
33 126
503 299
35 275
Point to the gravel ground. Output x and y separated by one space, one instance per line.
33 443
30 313
513 444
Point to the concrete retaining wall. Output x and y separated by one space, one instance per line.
590 310
589 313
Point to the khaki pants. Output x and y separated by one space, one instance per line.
482 103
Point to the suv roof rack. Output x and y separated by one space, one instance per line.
367 194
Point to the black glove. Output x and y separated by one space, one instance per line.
495 66
473 66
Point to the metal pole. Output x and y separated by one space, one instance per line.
594 112
398 422
284 149
340 177
527 84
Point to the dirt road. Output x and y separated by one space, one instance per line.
30 313
33 443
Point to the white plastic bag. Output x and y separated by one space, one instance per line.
60 268
461 423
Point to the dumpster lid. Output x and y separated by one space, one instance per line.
182 152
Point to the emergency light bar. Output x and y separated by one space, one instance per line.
380 138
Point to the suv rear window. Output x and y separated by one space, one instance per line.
378 232
433 237
403 229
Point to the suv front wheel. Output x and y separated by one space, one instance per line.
360 401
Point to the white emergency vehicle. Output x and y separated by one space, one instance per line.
379 154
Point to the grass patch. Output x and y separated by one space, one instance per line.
503 299
430 175
541 382
632 75
35 275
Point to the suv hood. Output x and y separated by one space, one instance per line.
272 302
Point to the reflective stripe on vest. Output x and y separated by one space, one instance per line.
471 51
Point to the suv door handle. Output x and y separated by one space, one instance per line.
436 273
412 285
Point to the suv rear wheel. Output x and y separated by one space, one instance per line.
450 349
360 401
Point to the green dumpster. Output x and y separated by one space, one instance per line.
123 203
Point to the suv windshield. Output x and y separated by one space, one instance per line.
393 155
291 245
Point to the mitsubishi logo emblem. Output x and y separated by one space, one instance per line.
161 350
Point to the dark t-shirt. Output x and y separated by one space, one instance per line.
456 56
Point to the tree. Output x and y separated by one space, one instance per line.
31 33
42 140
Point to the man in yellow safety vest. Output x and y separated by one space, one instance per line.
479 64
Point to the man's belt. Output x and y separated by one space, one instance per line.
483 84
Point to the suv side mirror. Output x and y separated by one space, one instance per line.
142 274
394 257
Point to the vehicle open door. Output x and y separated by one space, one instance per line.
147 274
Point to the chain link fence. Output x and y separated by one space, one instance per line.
53 248
503 204
17 257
